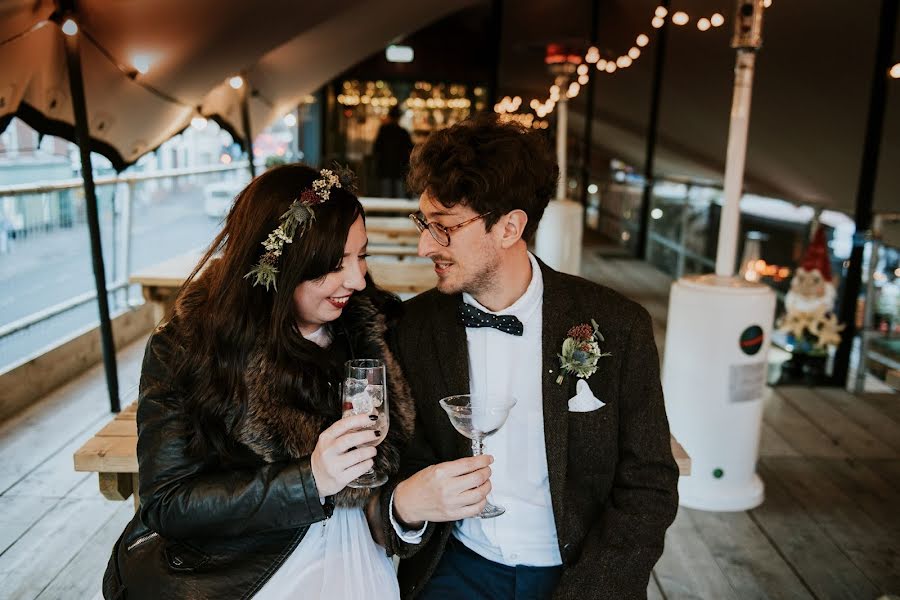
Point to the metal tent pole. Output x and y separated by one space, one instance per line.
82 136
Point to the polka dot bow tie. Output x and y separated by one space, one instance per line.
471 316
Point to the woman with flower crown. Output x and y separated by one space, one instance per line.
243 455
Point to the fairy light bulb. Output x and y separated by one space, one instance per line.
70 27
634 53
717 20
703 24
680 18
642 40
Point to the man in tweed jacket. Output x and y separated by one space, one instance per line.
583 465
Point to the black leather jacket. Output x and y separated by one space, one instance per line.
202 531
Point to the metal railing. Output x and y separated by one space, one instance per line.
32 213
47 209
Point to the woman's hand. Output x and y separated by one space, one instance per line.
336 460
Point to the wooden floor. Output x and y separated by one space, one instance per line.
830 526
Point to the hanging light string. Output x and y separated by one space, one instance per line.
606 65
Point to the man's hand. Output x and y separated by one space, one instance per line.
443 492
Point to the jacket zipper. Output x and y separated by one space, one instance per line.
141 540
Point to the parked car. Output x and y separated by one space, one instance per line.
219 196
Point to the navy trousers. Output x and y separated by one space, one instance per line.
464 575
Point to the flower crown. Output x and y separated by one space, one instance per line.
298 218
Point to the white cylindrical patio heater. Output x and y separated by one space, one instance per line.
718 333
714 380
560 232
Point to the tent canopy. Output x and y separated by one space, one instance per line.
810 97
284 50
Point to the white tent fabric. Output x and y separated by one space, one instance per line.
808 118
285 49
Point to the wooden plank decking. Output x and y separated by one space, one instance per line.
830 526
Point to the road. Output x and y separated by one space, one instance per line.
48 268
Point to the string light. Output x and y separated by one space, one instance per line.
290 119
680 18
70 27
199 123
592 56
507 105
142 63
767 3
236 82
895 71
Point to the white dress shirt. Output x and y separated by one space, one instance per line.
500 363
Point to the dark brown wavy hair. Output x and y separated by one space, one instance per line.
487 165
222 318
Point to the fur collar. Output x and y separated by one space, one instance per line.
275 429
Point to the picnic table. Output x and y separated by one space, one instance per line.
112 453
160 283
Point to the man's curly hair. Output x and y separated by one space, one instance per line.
489 166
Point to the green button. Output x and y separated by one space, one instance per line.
718 473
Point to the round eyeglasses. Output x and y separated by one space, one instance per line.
440 233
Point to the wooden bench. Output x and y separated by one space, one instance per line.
160 283
389 206
392 230
112 453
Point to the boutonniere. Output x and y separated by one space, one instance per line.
581 351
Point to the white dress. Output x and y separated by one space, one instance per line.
337 559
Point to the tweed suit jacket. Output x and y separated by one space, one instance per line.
613 480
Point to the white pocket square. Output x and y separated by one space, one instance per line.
584 399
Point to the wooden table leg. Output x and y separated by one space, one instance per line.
116 486
137 496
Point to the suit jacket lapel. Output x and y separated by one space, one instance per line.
452 350
558 311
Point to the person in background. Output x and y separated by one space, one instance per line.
393 145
